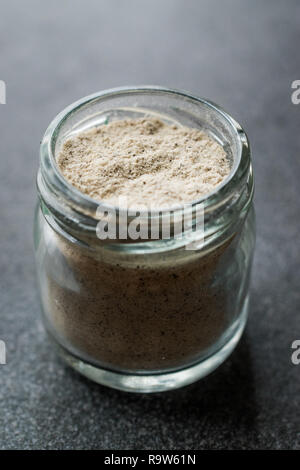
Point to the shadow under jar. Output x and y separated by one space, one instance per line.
145 315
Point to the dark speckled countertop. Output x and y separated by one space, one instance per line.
243 55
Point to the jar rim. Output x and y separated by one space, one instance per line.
51 180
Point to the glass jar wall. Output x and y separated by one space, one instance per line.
145 315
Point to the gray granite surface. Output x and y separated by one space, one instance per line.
241 54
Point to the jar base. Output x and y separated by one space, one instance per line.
158 382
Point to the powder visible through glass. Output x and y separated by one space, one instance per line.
139 311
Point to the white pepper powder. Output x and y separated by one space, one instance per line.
146 160
139 312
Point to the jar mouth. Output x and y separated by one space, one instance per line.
65 201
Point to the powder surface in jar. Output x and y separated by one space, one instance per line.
146 160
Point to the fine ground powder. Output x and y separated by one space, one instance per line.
139 312
145 160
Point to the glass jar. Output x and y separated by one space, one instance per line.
145 315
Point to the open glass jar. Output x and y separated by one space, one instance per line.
145 315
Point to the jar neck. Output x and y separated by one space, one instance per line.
76 215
